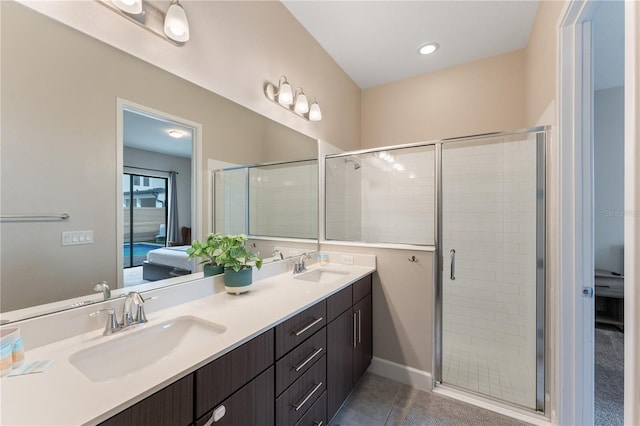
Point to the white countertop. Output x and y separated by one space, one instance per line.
62 395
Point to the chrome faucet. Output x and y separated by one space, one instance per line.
104 288
130 316
299 266
277 253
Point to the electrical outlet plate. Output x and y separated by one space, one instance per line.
346 259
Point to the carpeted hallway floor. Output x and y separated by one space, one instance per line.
609 377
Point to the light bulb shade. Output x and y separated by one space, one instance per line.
302 103
314 112
176 26
134 7
285 94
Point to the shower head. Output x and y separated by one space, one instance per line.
356 165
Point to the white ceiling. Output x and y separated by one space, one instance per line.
376 42
150 133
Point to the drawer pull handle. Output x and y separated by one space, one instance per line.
359 326
306 398
308 326
218 414
320 423
355 330
306 361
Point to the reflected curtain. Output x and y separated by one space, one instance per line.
173 227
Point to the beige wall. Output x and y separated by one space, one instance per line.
59 90
541 61
235 47
478 97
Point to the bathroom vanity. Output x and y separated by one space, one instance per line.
287 353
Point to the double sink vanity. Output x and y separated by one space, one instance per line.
288 352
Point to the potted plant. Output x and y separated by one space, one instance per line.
208 251
235 257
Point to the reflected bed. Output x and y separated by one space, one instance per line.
166 262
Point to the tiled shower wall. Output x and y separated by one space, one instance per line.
283 200
383 197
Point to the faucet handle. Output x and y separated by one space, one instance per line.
141 317
112 325
104 288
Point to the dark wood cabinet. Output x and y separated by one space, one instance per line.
300 327
363 351
220 378
298 373
251 405
349 344
171 406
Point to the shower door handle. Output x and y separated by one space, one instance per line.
453 264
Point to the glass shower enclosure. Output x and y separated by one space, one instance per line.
479 203
491 291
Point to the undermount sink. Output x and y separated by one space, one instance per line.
322 275
134 350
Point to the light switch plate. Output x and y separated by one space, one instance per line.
72 238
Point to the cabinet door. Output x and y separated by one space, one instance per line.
251 405
340 345
363 351
220 378
171 406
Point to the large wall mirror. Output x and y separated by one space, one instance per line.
62 152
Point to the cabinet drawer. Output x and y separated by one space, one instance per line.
317 414
220 378
295 401
171 406
251 405
339 302
361 288
299 360
299 328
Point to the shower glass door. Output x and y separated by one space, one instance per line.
492 281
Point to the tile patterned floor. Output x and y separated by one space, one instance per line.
378 401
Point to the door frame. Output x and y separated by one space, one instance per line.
196 173
632 218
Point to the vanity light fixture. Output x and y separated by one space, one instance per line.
301 104
428 48
133 7
297 102
172 26
176 26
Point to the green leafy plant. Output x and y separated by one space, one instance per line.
208 250
235 255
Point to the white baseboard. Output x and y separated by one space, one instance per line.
402 373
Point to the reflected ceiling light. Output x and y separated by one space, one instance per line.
301 104
133 7
428 48
175 133
176 26
297 102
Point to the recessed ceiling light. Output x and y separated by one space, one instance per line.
428 48
175 133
